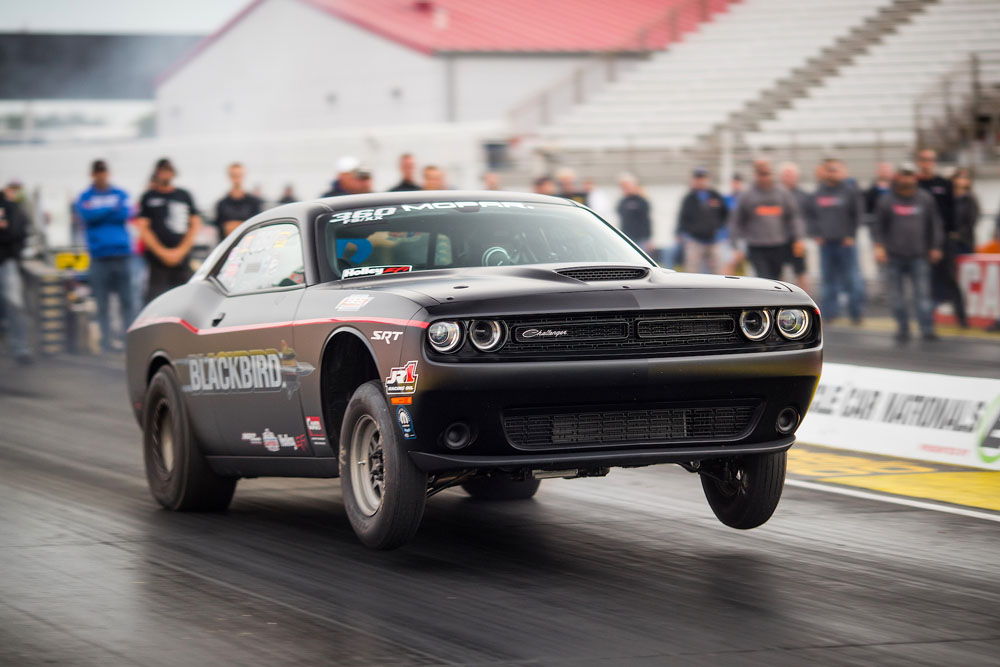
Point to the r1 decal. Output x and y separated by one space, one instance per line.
402 380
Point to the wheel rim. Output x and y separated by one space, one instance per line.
367 468
737 482
163 438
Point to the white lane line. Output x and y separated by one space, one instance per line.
896 500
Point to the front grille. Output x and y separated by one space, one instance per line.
604 273
665 424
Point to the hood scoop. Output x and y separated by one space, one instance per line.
597 273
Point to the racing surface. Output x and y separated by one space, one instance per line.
628 569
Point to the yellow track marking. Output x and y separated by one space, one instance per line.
973 489
814 463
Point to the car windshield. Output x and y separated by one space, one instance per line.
453 234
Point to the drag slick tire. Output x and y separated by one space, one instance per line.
744 491
501 488
179 477
383 491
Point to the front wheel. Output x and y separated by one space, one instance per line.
383 491
744 491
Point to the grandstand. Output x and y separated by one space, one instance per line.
841 75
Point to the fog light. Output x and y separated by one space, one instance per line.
793 323
755 324
445 336
457 435
787 420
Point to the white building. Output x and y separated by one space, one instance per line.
322 64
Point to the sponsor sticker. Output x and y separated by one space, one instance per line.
354 302
388 337
314 425
401 400
252 438
405 423
402 380
369 271
271 441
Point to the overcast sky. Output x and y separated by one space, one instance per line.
114 16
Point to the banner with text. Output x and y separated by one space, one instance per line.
940 418
979 280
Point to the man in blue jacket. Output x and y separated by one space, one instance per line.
104 210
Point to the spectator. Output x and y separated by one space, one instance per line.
407 169
908 236
104 211
544 185
434 178
735 190
13 232
633 212
491 181
352 178
288 195
703 213
833 214
168 223
789 177
966 212
237 205
881 185
944 285
767 222
568 189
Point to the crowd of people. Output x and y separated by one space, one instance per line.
919 222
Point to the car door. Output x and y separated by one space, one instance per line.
253 376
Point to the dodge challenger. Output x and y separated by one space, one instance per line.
411 342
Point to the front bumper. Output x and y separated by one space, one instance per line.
481 394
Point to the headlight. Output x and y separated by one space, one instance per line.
755 324
445 336
487 335
793 323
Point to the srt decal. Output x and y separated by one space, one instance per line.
246 371
388 336
367 271
354 302
405 423
314 425
402 380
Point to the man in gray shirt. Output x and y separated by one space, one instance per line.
832 215
767 223
909 236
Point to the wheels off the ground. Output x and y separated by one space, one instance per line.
383 491
501 488
179 477
744 491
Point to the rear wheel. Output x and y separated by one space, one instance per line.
179 477
501 488
744 491
383 491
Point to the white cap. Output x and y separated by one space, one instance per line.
347 163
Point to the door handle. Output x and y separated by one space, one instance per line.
217 319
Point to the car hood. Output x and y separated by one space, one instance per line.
513 288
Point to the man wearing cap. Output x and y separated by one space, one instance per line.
238 204
104 211
909 235
634 212
352 178
703 213
168 223
766 221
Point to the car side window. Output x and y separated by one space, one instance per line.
266 257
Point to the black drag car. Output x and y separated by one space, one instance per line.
410 342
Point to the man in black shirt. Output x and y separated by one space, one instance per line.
288 195
703 213
633 211
407 168
168 222
568 189
944 285
13 231
884 174
237 206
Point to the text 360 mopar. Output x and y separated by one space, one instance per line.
408 343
